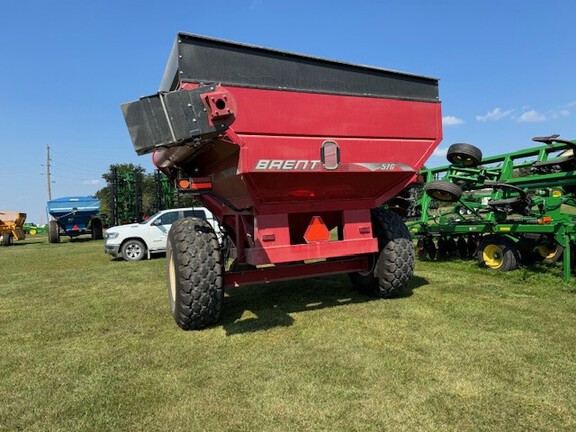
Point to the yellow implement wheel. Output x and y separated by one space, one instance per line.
441 196
32 232
549 253
498 253
442 190
493 256
463 161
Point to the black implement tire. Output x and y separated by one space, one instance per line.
549 252
6 239
195 274
133 250
464 155
97 229
498 253
53 232
393 266
443 190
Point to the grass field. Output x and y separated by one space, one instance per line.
87 344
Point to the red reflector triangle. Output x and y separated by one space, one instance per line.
75 228
316 231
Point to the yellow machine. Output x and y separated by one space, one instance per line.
11 224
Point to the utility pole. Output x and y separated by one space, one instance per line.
48 181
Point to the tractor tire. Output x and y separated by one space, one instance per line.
393 266
97 233
133 250
498 253
443 191
464 155
6 239
53 232
195 274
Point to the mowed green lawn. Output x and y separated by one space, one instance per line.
87 344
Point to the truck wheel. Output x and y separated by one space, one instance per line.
393 267
133 250
195 273
53 232
498 253
6 239
97 229
464 155
443 190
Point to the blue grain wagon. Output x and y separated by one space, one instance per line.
74 216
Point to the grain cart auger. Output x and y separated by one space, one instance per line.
294 155
11 227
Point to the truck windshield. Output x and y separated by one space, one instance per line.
148 218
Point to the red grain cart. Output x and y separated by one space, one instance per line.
294 155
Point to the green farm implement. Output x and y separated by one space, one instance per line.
33 229
506 210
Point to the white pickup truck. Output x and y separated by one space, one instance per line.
138 240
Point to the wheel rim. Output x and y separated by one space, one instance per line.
172 279
133 251
493 256
547 252
462 160
441 195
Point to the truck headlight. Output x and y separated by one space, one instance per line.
112 235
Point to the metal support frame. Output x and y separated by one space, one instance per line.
501 177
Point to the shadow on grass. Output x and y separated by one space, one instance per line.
16 243
81 239
270 305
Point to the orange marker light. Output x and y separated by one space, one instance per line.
184 183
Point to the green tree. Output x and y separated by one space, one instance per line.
150 204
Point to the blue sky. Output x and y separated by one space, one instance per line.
507 71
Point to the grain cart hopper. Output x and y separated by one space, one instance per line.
11 224
294 155
74 216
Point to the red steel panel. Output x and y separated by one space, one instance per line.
295 271
290 253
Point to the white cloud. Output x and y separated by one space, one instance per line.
440 152
494 115
531 117
91 182
451 121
